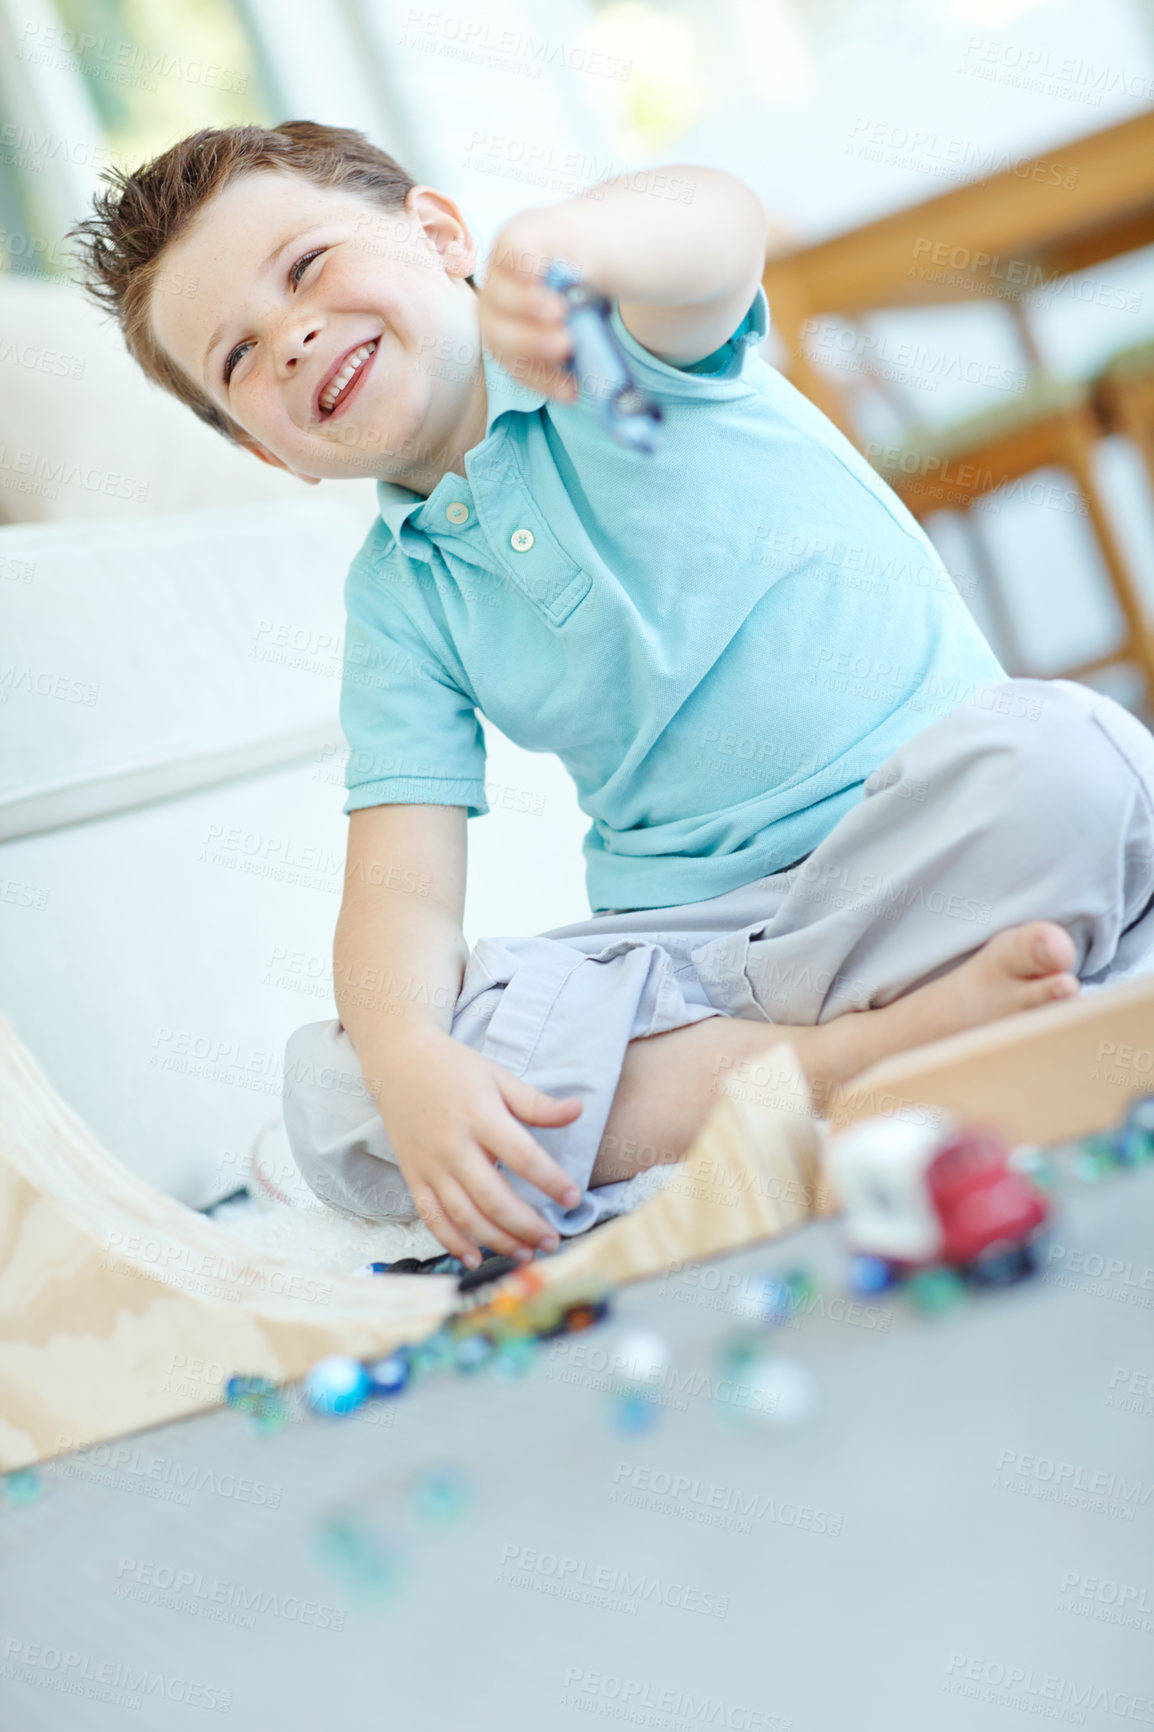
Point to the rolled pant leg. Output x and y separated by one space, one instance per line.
553 1015
1033 802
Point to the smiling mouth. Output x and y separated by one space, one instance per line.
346 379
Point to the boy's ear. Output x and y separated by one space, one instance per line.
278 462
442 221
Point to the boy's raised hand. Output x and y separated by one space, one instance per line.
522 322
451 1114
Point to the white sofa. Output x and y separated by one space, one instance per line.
171 837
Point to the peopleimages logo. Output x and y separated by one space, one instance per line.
691 1499
125 1467
1089 1272
638 1699
1106 1601
217 1597
1069 1482
1137 1390
77 1674
1045 1693
610 1585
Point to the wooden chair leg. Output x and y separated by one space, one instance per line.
1077 456
1138 427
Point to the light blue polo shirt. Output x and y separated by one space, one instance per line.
719 641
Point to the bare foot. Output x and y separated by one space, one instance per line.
1018 969
670 1081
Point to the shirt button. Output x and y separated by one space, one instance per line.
521 540
456 512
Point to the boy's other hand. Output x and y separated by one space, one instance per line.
451 1114
522 322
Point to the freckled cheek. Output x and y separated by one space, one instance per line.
266 408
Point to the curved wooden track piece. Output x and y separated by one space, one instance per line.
108 1288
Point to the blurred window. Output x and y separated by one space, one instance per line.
155 73
91 82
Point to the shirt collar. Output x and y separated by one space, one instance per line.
503 393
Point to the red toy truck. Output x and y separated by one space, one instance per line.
916 1195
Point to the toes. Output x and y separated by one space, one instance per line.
1053 987
1064 986
1038 948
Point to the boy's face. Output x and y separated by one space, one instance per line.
297 283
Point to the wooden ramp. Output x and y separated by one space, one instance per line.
110 1290
111 1294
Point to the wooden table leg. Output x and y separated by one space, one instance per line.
1078 441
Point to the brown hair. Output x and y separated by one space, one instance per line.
120 248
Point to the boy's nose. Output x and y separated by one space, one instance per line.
300 342
293 344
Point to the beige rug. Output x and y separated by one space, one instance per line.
281 1215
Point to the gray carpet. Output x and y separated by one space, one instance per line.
958 1537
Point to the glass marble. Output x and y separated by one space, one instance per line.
21 1487
473 1351
367 1564
630 1415
440 1494
869 1274
336 1385
933 1291
388 1376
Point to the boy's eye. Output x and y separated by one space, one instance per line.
302 265
233 359
297 271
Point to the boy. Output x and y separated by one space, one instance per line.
816 800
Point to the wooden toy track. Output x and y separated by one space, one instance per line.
108 1288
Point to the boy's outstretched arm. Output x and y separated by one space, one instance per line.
398 961
681 249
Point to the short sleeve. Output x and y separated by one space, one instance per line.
414 735
733 361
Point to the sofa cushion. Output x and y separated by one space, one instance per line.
83 433
142 659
